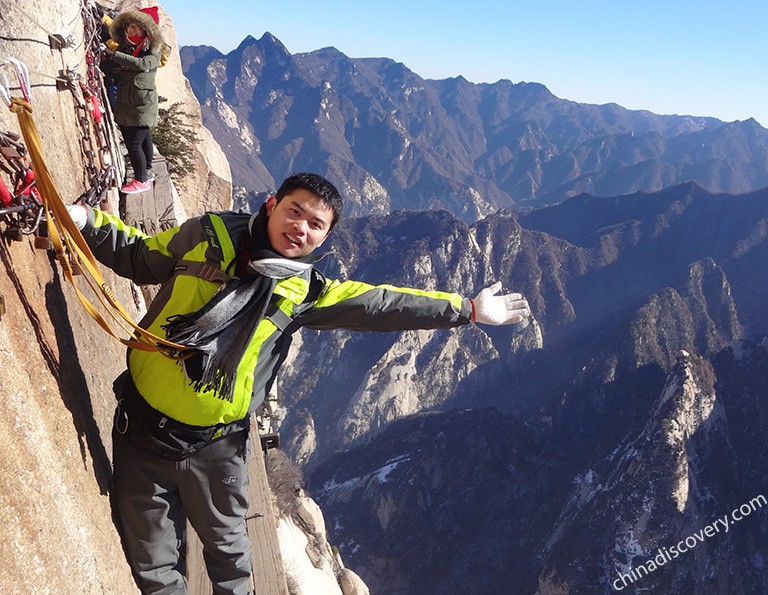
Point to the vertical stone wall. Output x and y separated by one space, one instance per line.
56 364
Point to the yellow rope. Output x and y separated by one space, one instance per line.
71 247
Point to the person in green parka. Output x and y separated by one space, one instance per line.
140 50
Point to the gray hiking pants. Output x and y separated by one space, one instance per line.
153 496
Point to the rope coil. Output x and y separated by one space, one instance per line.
72 251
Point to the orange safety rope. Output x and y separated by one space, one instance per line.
72 250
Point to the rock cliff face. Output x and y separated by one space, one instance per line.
210 187
57 365
665 498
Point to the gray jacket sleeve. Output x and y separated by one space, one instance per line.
146 260
362 307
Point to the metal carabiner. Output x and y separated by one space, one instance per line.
22 74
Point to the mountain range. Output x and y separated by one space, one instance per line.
476 501
571 453
393 140
558 457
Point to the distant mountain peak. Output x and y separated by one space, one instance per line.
329 51
266 42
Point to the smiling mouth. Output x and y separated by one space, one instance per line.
293 239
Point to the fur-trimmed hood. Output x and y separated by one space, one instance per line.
143 20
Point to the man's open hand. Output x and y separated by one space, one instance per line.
489 308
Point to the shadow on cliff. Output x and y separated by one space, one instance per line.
65 368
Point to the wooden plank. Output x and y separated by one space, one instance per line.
151 211
198 582
268 569
164 208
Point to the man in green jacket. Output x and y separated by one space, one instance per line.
234 286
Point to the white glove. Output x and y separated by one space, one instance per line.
79 215
490 308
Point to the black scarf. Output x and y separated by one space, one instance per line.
223 328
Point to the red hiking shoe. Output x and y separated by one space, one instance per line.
134 187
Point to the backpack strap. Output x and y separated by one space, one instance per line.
201 270
284 322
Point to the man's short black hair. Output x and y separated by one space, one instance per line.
317 185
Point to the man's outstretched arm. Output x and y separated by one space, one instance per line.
128 251
359 306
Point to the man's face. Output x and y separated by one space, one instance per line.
298 224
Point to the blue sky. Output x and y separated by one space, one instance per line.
703 58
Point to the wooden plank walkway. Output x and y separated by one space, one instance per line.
152 212
268 570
